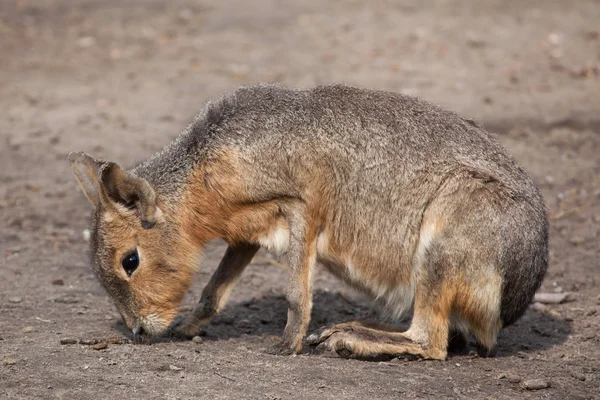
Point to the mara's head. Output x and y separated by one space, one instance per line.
139 255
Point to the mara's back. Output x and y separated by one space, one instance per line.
378 140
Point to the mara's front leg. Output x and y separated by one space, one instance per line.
216 292
301 257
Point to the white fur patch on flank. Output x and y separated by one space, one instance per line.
428 233
277 240
322 245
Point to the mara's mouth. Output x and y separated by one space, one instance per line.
151 326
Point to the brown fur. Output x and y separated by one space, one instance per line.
413 205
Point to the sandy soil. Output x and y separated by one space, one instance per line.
120 80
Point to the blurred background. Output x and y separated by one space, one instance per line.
120 79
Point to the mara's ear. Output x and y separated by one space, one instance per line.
131 191
86 171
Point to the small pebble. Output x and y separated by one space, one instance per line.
27 329
513 379
68 341
86 235
15 299
554 39
67 300
197 339
100 346
550 298
576 240
10 361
58 282
175 368
86 41
89 342
535 384
244 323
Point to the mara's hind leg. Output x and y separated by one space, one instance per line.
457 276
485 333
452 284
426 338
476 308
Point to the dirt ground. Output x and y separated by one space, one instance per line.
120 79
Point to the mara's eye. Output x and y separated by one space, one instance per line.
130 262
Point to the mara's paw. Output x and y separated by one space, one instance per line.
324 333
334 340
285 348
321 335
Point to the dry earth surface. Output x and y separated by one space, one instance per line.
120 79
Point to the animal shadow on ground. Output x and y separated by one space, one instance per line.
266 316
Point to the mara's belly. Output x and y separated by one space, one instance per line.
388 285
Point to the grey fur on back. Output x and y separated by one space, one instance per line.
387 156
